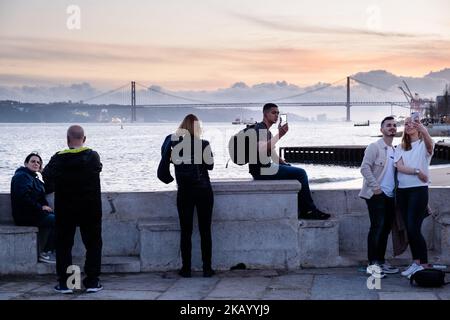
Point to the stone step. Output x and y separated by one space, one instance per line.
18 249
318 243
12 229
110 264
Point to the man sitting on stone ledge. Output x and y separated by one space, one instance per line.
269 166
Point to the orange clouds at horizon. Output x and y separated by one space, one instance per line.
207 68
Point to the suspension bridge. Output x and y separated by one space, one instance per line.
196 103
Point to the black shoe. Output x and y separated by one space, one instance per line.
92 286
315 214
208 273
63 289
185 273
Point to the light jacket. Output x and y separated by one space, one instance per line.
373 167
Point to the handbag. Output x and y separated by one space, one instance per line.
429 278
163 172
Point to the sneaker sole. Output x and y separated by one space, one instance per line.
410 275
47 261
94 290
391 272
68 291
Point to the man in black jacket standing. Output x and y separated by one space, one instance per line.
74 175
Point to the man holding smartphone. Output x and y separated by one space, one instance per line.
277 168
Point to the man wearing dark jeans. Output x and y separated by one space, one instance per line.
74 175
264 169
378 171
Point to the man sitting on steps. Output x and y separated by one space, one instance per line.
275 168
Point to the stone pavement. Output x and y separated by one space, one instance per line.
305 284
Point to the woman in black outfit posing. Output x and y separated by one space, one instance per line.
193 158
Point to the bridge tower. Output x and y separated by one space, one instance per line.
347 105
133 101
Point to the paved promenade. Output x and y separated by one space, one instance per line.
306 284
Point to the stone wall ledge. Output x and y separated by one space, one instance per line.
254 222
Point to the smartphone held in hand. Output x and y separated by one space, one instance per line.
283 119
415 116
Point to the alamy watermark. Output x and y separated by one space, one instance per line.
74 280
73 21
373 283
374 19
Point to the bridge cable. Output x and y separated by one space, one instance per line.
105 93
379 88
173 95
310 91
371 85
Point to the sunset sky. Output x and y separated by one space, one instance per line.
209 44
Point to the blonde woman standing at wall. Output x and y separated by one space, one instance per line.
193 158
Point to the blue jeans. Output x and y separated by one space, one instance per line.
287 172
48 224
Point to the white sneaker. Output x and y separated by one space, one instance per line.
413 268
375 271
47 257
388 269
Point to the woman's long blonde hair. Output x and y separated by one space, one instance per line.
406 139
191 125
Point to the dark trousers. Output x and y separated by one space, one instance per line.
203 200
381 213
413 204
286 172
47 226
91 234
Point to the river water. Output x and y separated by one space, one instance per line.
130 155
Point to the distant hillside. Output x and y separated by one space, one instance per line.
12 111
443 74
428 86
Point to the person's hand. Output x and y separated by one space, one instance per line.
47 208
377 191
420 127
283 130
423 177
